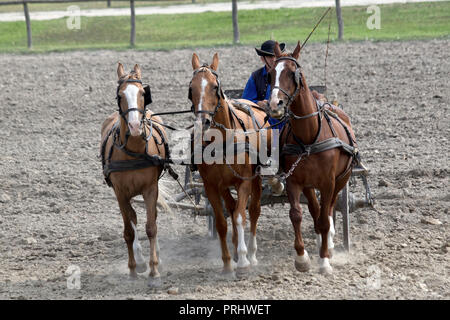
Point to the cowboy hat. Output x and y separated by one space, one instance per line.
268 47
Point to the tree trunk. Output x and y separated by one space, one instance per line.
339 19
235 22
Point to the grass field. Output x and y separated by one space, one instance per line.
97 5
398 22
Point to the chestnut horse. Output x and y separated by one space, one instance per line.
318 152
215 111
133 154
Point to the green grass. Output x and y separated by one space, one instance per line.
96 5
399 21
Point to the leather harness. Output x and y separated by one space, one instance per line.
142 160
299 148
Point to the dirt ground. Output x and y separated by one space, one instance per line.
57 215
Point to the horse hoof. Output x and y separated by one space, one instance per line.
303 263
133 274
253 262
242 272
154 282
327 270
227 270
302 267
324 266
141 268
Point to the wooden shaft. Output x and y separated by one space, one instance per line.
346 218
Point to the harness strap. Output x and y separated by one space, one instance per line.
125 165
143 160
330 143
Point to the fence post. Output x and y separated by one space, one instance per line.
108 3
339 19
133 24
235 22
28 22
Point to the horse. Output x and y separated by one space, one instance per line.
318 152
215 111
134 151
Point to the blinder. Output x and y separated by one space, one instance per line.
298 77
147 95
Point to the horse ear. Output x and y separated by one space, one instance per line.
215 63
137 70
277 50
120 71
195 61
296 52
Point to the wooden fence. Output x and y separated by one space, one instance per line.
108 3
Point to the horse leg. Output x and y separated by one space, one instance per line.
326 198
239 219
332 231
131 238
254 212
230 204
302 261
150 197
221 226
313 206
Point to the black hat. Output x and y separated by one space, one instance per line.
268 47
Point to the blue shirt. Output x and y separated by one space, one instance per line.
251 94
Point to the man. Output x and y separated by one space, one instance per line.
258 86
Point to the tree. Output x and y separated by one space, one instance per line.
235 22
339 19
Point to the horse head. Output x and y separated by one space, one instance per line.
131 98
285 80
204 90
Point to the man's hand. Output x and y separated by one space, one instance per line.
262 103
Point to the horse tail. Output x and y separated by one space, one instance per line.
163 196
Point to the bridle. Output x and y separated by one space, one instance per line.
147 99
297 80
219 91
298 85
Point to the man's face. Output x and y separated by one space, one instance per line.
268 61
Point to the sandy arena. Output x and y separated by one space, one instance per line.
57 212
